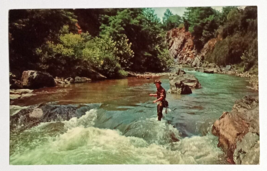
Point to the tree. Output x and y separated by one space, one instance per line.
167 14
225 12
29 29
172 22
143 29
203 23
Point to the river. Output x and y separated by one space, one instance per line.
123 127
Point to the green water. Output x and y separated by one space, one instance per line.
125 130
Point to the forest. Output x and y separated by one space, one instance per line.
70 42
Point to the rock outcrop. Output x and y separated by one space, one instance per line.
36 79
209 46
181 45
238 132
182 83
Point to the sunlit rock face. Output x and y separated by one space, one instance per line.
181 46
238 131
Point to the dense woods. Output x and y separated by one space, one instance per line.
112 41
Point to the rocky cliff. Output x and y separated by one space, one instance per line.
181 47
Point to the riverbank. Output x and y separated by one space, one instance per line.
238 132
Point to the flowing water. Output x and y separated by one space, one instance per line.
124 128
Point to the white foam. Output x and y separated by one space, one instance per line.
146 142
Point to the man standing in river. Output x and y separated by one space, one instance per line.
161 95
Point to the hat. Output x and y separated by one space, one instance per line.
157 81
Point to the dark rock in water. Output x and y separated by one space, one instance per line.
238 131
27 117
185 89
36 79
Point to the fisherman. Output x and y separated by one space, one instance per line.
161 98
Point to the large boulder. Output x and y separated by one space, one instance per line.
185 89
238 132
36 79
182 83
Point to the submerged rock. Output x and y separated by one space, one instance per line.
26 117
14 109
238 131
182 83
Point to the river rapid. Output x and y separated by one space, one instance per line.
121 125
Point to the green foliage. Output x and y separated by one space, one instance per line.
167 14
118 40
74 49
29 29
202 22
250 57
228 51
171 21
240 43
143 29
225 12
